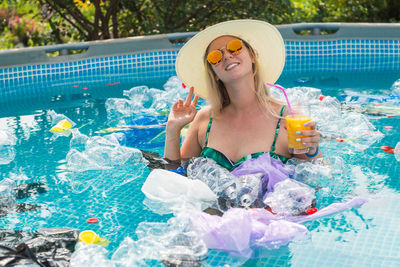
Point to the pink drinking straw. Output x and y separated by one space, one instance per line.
284 92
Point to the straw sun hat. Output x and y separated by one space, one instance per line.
264 38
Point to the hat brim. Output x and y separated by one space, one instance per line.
264 38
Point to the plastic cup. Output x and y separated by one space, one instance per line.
295 123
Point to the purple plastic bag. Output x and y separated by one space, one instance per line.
240 229
243 232
231 232
274 170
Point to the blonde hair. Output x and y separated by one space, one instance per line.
218 96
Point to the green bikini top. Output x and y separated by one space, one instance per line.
224 161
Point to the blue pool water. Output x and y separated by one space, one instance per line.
367 236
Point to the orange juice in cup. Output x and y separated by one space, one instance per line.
295 123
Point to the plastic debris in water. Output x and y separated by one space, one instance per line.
92 220
62 125
7 193
311 211
7 150
387 149
290 197
90 237
396 151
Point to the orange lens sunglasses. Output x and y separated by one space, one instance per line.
234 47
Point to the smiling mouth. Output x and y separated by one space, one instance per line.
231 66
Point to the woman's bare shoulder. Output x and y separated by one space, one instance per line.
277 108
203 114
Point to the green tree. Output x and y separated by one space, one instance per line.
91 20
39 22
103 19
345 11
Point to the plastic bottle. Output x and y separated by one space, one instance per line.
248 189
219 179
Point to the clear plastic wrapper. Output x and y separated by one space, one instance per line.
177 191
7 150
7 191
100 152
173 243
397 151
90 255
395 89
143 100
290 197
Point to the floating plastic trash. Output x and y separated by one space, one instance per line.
290 197
397 151
273 170
62 125
7 150
90 237
248 189
258 229
172 188
7 191
92 220
44 247
144 101
396 88
171 242
366 99
217 178
99 152
387 149
90 255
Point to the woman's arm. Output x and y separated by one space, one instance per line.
194 139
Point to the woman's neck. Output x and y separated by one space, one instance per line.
243 98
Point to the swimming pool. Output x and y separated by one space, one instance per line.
79 90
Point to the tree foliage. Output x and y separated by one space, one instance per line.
38 22
346 11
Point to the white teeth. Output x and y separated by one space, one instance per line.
231 66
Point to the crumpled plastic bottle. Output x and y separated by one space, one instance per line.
248 189
219 179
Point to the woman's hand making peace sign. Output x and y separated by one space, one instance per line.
182 113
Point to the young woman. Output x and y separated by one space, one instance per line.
229 64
